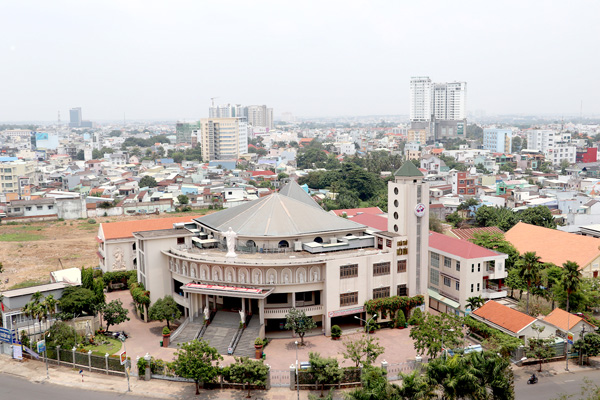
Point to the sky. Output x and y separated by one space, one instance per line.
159 60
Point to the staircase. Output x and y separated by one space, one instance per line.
245 347
188 333
221 330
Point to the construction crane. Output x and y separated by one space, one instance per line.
212 101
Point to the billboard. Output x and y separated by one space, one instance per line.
41 136
460 128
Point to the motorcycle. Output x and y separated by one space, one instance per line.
533 379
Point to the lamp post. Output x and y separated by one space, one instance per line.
46 357
122 338
297 373
444 352
568 326
366 322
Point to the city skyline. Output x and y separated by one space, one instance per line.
147 60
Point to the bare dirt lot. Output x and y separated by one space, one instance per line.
30 251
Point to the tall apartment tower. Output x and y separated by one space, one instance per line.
223 138
260 116
408 199
450 101
420 99
75 117
497 140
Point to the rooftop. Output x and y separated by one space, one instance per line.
408 169
125 229
458 247
31 290
552 245
351 212
562 319
469 233
503 316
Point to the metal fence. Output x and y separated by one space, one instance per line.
280 377
395 370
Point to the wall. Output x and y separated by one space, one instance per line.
71 208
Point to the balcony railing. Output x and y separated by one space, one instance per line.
281 312
494 294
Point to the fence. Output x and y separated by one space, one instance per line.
395 370
109 365
280 377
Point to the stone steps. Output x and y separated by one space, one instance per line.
245 347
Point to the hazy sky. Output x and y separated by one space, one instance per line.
166 59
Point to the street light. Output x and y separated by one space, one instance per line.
366 322
444 352
297 373
122 339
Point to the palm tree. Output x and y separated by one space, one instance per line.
50 304
529 270
475 302
571 279
416 386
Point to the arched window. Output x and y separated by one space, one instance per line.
250 243
319 239
283 244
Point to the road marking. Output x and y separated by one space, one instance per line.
570 380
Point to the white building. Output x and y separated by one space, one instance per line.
260 116
459 269
497 140
450 101
555 146
223 138
420 99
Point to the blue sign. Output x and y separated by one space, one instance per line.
7 336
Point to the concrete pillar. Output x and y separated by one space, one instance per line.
261 311
293 299
58 355
292 377
90 360
192 301
384 365
243 305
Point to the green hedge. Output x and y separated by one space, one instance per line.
118 277
390 305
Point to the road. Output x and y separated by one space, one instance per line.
17 388
552 387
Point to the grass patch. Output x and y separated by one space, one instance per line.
105 345
20 237
27 283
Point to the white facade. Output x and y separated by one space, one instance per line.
420 98
554 145
450 101
497 140
223 138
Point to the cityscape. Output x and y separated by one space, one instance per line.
339 201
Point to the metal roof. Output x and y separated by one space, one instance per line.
408 169
295 191
276 215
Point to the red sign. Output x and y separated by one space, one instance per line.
218 287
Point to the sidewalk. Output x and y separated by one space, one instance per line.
35 371
555 368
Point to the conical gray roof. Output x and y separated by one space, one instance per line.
295 191
276 215
408 169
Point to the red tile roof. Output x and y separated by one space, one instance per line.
263 173
467 234
457 247
125 229
374 221
351 212
503 316
561 319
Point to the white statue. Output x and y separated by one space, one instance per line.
242 316
315 276
206 313
230 235
301 277
215 275
271 279
193 272
257 277
202 274
119 264
242 277
286 278
229 277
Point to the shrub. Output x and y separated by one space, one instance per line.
416 318
336 331
91 221
258 342
166 331
400 320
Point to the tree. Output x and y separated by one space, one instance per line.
416 386
475 302
147 181
77 300
564 164
299 323
281 176
363 351
437 332
465 205
1 268
502 217
571 279
194 360
87 278
114 313
455 219
80 155
164 309
183 199
529 270
514 281
517 142
325 370
538 348
250 372
61 334
435 224
375 386
539 215
588 345
496 242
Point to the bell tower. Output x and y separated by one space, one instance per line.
408 215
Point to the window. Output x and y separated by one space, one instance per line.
458 265
447 262
478 267
348 271
39 207
435 260
17 209
434 276
478 287
180 240
401 265
472 267
402 290
471 288
28 208
50 207
382 268
446 281
348 299
457 286
380 293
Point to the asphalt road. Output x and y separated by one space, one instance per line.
551 387
16 388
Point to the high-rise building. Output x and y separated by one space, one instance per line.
554 145
420 99
223 138
75 117
438 107
183 131
257 116
260 116
228 111
497 140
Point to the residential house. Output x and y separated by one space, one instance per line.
564 322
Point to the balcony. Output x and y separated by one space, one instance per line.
491 294
282 312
